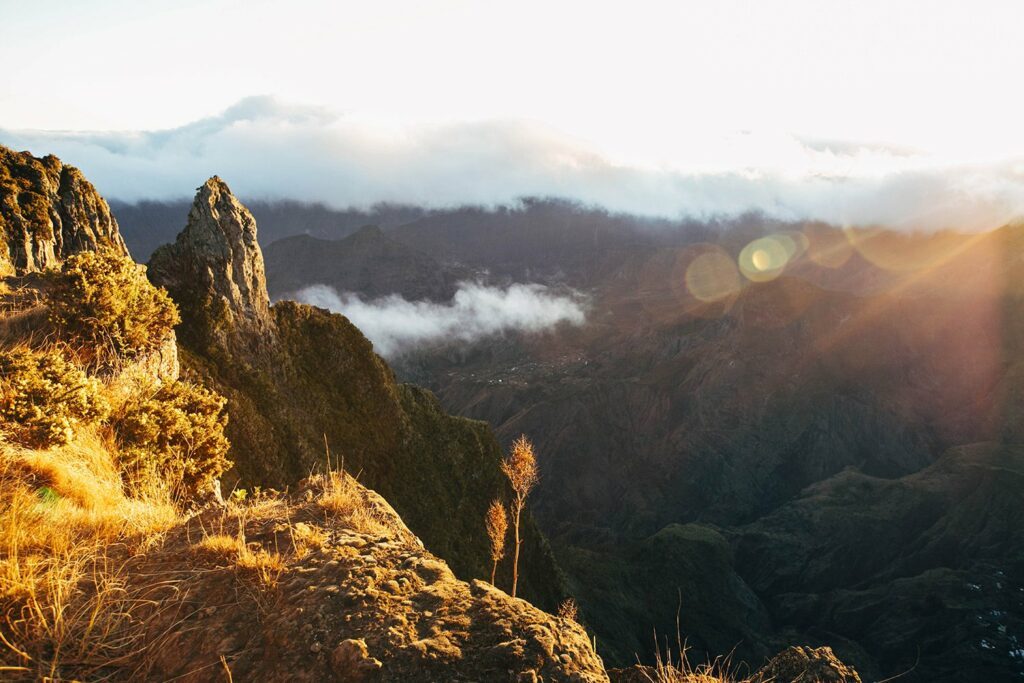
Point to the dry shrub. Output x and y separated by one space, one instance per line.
520 468
568 609
218 547
175 437
496 522
667 670
44 399
103 301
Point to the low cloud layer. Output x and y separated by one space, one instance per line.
396 326
266 149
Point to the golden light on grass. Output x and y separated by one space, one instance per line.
343 499
66 530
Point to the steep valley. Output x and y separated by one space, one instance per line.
828 456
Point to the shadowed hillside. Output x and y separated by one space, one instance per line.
705 398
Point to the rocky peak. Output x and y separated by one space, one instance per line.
214 270
48 211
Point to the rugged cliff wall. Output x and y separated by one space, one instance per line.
48 210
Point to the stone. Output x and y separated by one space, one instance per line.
351 662
48 211
214 271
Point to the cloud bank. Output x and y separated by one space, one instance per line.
396 326
267 149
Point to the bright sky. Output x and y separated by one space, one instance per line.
940 75
700 85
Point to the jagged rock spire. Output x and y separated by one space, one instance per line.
214 270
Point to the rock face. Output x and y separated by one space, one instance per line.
215 269
48 210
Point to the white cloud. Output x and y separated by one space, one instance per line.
395 325
268 149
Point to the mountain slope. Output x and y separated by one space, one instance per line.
674 426
367 262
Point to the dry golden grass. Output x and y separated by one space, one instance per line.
343 499
306 538
679 670
262 565
66 532
218 547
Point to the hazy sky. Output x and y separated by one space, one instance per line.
641 104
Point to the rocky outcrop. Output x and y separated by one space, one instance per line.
297 376
806 665
214 270
342 601
48 210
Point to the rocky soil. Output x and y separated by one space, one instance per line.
345 603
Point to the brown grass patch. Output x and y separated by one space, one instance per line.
344 500
250 560
66 533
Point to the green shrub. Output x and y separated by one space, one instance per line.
103 301
175 437
43 398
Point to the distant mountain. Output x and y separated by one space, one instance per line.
797 434
791 449
148 224
368 262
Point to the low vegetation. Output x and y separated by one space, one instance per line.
497 530
176 436
263 567
103 304
67 530
568 609
84 487
44 398
520 467
343 499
